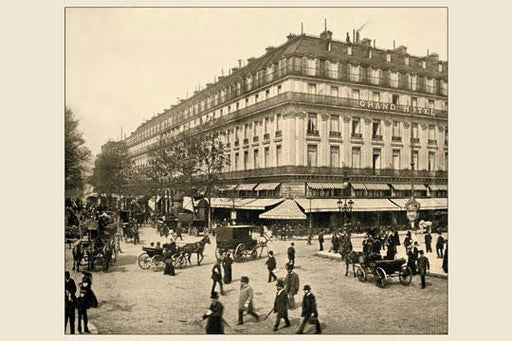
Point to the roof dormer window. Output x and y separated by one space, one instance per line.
406 61
424 64
349 50
440 67
388 57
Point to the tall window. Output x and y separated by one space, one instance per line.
236 132
355 93
396 128
266 123
246 130
278 122
312 122
246 160
376 130
414 101
256 159
278 156
395 99
335 123
376 96
356 126
335 156
393 79
375 76
414 128
431 161
255 128
237 161
415 158
334 91
312 155
431 104
432 132
396 159
355 72
356 157
376 164
311 88
266 157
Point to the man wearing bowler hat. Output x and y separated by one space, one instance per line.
292 285
423 267
309 311
281 305
245 300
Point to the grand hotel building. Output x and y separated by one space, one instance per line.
316 120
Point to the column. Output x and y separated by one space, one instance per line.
323 146
288 138
387 151
406 140
423 155
300 138
347 153
367 149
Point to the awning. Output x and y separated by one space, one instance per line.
267 187
287 210
442 202
357 186
261 204
246 187
426 203
407 187
228 202
188 204
438 187
325 185
360 205
377 187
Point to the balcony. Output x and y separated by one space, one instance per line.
377 137
396 138
336 134
255 138
313 132
432 141
279 133
357 135
246 141
415 140
266 136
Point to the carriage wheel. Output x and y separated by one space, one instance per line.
380 277
180 261
405 275
144 261
99 260
254 254
239 252
157 262
361 274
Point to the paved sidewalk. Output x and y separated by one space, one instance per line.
436 264
92 328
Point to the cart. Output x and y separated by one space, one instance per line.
383 269
237 240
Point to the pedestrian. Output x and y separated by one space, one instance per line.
217 277
245 301
227 265
411 259
292 284
70 302
428 242
423 267
310 236
179 231
291 254
396 238
445 258
309 311
271 266
82 304
391 249
86 285
281 305
440 245
215 324
321 240
335 242
168 252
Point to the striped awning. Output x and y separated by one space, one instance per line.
228 188
407 187
438 187
425 203
267 187
246 187
325 185
377 187
287 210
359 205
228 202
357 186
261 204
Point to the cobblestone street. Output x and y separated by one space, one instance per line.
139 301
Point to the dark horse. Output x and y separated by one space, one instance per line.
353 257
197 247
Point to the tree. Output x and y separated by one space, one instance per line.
111 172
76 156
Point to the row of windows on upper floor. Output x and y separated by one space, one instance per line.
313 88
315 68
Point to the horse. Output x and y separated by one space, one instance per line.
353 257
78 254
197 247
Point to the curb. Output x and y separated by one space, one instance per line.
337 256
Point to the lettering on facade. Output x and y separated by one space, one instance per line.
393 107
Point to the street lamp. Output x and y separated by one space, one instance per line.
345 205
412 206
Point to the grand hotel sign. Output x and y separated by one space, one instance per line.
407 109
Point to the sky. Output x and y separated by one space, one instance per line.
124 65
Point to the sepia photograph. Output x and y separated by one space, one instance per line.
256 170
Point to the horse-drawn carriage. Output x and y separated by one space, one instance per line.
382 269
155 256
238 240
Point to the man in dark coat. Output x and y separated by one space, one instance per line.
271 266
227 266
215 324
179 231
281 305
391 249
309 311
411 259
445 258
396 238
217 277
335 242
428 242
423 267
82 304
70 302
291 254
440 245
292 284
321 240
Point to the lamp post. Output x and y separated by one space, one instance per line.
345 205
412 206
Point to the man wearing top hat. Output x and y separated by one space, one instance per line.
423 267
309 311
292 284
281 305
214 315
245 300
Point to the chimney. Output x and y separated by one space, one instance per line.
394 47
366 42
347 39
428 53
354 36
374 44
235 69
326 35
357 37
290 36
269 48
239 63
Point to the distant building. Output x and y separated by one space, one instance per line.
317 119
